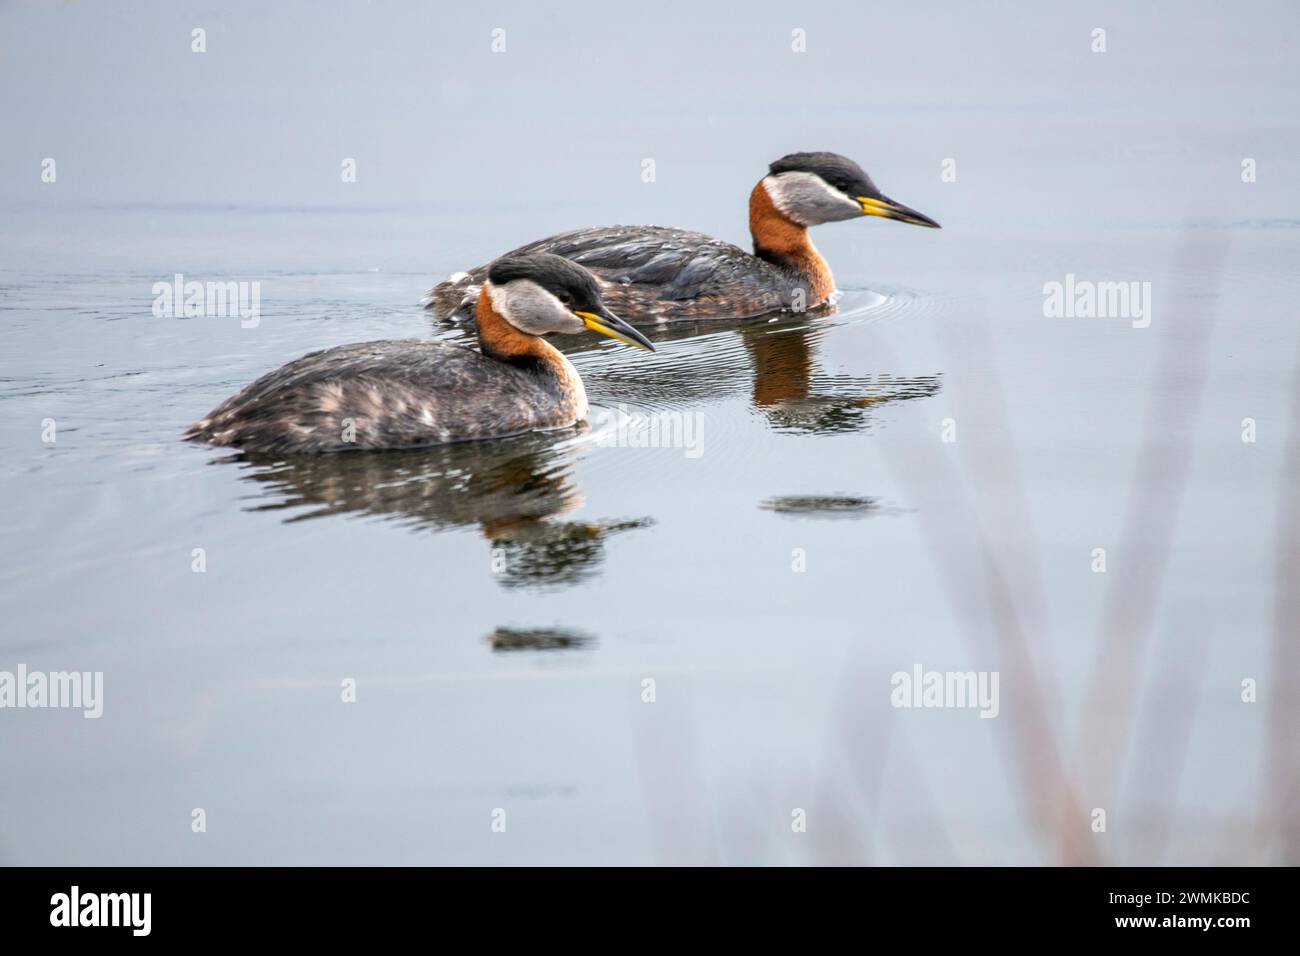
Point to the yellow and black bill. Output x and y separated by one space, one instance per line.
607 323
885 207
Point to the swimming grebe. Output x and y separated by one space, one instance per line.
668 274
406 394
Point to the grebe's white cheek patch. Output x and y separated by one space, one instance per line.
530 308
809 200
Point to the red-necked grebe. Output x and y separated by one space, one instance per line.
666 274
406 394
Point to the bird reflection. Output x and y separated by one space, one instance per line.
795 396
505 639
516 492
773 359
824 506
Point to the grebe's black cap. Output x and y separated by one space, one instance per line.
849 178
574 286
567 281
840 171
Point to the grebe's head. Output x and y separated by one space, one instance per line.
539 293
812 188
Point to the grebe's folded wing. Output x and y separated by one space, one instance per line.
392 394
643 270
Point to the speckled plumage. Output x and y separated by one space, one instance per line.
659 274
411 394
391 394
652 272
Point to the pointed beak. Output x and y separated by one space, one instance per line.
607 323
888 209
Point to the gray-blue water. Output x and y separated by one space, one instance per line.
922 478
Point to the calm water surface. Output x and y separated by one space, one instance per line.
501 606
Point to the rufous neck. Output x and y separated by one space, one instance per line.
501 340
779 239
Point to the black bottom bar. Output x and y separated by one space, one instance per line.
337 905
